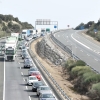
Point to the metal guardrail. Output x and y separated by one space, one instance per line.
61 92
68 50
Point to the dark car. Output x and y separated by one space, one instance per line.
28 64
36 85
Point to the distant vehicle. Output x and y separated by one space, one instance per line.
28 38
28 64
24 52
46 96
27 59
31 70
26 33
43 89
31 79
24 56
36 85
37 74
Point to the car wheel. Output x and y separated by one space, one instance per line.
33 90
37 95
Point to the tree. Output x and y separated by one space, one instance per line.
16 28
10 24
4 28
16 19
0 21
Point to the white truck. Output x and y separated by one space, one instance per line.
11 46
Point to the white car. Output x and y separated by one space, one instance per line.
41 89
31 79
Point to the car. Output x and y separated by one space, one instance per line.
24 52
27 59
25 55
28 38
28 64
41 89
46 96
31 70
31 79
23 47
36 85
20 45
37 74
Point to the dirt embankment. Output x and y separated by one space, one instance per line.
56 72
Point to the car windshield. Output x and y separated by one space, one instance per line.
27 62
47 96
32 78
45 88
36 73
38 83
33 69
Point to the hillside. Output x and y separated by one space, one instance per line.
10 24
93 29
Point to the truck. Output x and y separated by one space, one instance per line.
11 47
26 33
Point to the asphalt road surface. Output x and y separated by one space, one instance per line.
15 81
1 72
85 49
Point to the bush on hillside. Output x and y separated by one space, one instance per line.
75 72
94 92
80 63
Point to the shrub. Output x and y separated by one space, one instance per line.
70 64
80 63
95 91
76 70
91 77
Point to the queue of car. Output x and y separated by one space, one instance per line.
34 79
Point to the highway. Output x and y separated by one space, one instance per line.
13 80
83 48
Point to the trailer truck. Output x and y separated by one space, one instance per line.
11 47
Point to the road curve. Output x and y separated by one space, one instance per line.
85 49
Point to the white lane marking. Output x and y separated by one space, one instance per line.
81 43
26 88
4 82
21 73
96 59
29 97
81 50
23 79
54 35
88 54
20 67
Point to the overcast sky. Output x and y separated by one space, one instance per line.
66 12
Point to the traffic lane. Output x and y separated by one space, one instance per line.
14 84
24 73
1 77
90 60
86 42
70 43
29 88
84 48
2 41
